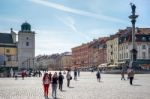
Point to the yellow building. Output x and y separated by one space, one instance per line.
112 50
8 50
66 60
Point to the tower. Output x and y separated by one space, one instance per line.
26 46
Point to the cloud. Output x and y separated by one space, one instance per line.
50 41
70 22
10 20
76 11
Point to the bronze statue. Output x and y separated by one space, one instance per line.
133 7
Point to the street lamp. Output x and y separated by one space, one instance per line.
133 21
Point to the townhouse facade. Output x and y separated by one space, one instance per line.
142 39
80 56
90 54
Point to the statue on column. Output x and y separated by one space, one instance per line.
133 7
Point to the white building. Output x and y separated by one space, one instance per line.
26 46
142 45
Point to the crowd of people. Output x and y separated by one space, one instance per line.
55 80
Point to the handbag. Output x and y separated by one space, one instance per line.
70 78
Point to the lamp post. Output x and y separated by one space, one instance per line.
133 21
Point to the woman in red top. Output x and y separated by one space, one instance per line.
46 82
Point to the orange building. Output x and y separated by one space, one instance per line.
90 54
80 55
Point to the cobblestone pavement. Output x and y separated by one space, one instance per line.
86 87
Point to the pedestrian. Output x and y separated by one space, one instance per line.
64 72
122 75
131 76
46 83
78 72
68 77
60 80
50 76
40 74
54 85
15 75
23 74
98 75
75 74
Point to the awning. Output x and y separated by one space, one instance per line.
112 65
121 63
103 65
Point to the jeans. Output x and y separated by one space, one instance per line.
60 86
68 82
54 90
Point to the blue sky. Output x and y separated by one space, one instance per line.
63 24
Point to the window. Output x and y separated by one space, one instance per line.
126 55
143 38
8 57
111 46
143 55
126 46
119 56
143 47
27 43
7 51
111 53
27 38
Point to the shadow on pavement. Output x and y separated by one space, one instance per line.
71 87
63 91
53 98
136 85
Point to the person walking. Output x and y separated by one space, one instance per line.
46 83
60 80
98 75
122 75
75 74
68 76
23 74
131 76
16 75
50 76
54 85
78 72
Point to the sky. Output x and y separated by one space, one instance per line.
63 24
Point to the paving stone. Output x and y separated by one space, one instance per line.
86 87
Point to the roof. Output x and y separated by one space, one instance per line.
144 31
6 38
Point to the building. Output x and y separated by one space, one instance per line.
66 60
98 51
48 62
18 53
112 49
142 39
26 46
90 54
80 56
8 50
